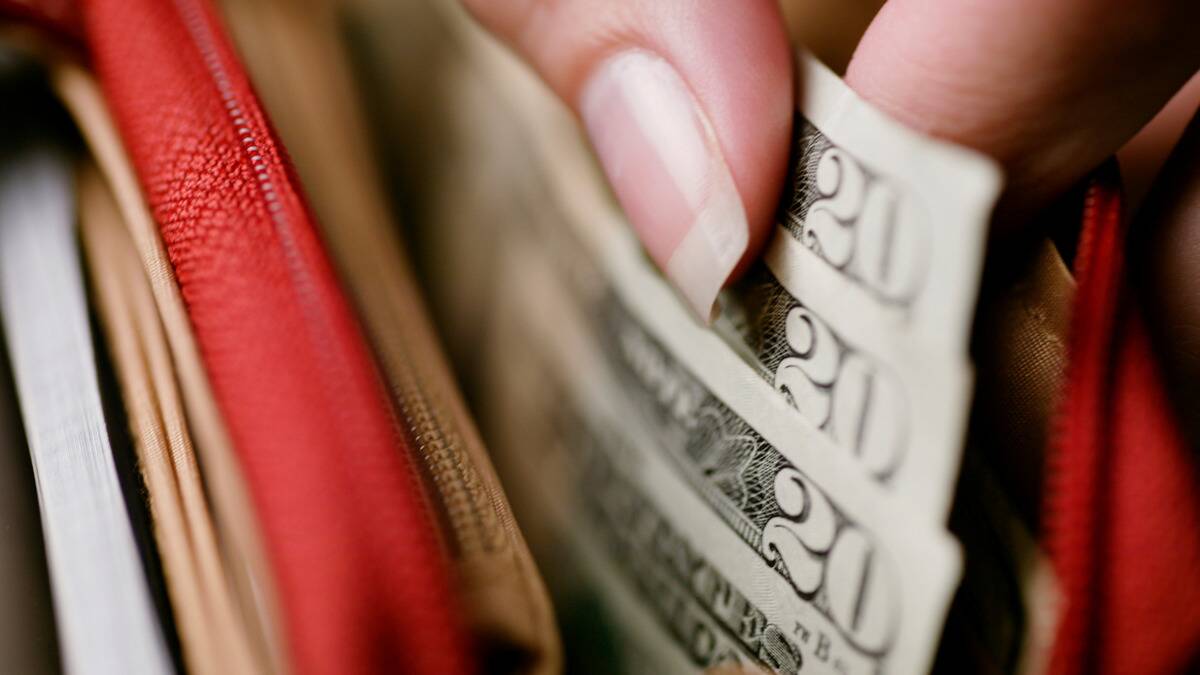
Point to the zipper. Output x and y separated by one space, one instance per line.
415 407
470 517
365 584
296 59
372 267
1074 504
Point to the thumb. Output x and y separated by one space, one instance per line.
688 105
1049 88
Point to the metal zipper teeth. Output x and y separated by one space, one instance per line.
414 409
463 498
463 502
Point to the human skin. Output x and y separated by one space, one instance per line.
1049 88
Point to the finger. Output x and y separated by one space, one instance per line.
1145 154
689 107
1048 87
1167 263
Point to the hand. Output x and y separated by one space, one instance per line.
689 106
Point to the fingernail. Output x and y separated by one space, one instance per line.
666 167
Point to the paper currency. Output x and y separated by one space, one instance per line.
809 561
691 509
860 313
105 616
900 217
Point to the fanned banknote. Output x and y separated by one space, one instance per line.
781 556
860 312
690 508
781 553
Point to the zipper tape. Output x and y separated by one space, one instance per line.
1121 514
361 579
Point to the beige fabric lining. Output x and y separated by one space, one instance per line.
1021 355
294 55
217 576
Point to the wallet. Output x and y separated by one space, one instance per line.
326 504
334 573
